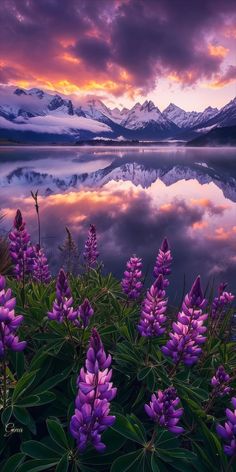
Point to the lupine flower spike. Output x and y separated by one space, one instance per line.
162 410
21 251
132 281
187 337
220 382
153 310
40 267
90 252
9 322
228 431
220 302
84 313
163 262
92 405
63 304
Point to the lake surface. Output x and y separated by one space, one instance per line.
135 197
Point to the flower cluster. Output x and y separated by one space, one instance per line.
220 382
84 313
228 431
9 322
153 310
187 335
90 252
132 281
162 410
21 251
221 301
40 267
163 262
95 392
63 304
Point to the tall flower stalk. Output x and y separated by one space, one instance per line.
228 431
163 262
9 324
21 251
153 311
41 272
95 392
90 251
187 337
163 410
62 310
132 281
35 198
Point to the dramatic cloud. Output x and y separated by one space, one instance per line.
117 46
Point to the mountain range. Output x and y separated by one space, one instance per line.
35 116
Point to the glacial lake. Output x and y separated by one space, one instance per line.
135 197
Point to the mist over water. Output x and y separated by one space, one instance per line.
135 197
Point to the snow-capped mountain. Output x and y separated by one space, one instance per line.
139 173
188 119
36 115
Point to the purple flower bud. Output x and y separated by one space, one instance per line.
90 253
21 251
220 381
228 431
62 305
221 302
92 404
40 267
187 337
162 410
163 262
153 310
132 281
9 322
85 312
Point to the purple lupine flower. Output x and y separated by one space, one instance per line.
63 304
220 302
90 252
84 313
92 412
162 410
187 337
228 431
21 251
132 281
220 382
9 322
40 267
163 262
153 310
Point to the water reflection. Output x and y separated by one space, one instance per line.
135 198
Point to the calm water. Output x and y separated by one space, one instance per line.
135 197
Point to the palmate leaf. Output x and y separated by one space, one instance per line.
38 450
13 463
129 462
57 433
129 427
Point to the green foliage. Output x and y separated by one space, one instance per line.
41 389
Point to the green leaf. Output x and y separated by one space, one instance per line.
128 428
38 450
63 464
57 433
37 466
23 384
52 381
12 464
128 462
37 400
24 417
6 414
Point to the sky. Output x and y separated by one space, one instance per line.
122 51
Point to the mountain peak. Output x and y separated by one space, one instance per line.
20 91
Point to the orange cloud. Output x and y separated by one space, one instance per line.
218 51
200 225
222 234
